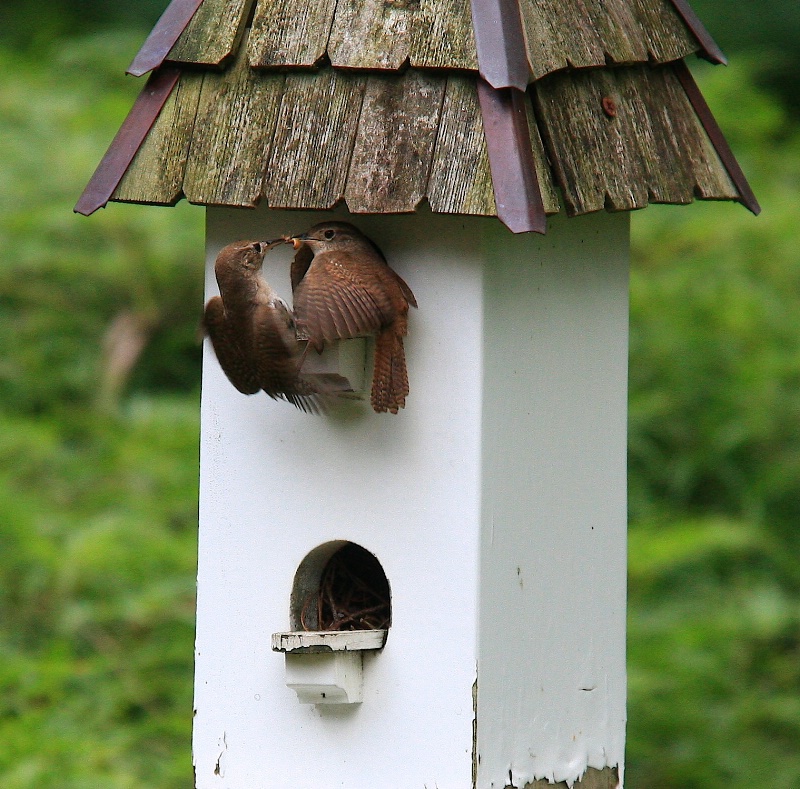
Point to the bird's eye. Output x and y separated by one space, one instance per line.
257 247
329 234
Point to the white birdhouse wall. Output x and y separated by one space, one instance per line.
551 667
510 454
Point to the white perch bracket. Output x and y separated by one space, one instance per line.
348 358
325 667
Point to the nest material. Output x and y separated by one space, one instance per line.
353 594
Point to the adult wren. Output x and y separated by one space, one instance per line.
253 332
343 288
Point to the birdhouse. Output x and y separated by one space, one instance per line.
434 597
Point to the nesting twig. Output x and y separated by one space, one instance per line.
351 596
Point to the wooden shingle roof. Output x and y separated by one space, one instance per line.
384 104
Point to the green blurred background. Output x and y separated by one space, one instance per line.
99 395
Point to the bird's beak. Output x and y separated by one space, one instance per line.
275 242
297 241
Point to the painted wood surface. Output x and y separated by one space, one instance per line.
521 386
554 508
257 524
327 641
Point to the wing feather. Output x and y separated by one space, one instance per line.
227 344
334 301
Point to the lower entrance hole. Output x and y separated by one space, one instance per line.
341 586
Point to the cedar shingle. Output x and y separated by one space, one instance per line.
290 33
460 181
156 173
232 135
394 144
442 36
314 139
646 146
371 34
378 107
214 33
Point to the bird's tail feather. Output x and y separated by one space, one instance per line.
390 378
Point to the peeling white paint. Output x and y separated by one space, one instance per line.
508 461
552 619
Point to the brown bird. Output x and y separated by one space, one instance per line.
253 332
343 287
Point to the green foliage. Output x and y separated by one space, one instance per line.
98 463
97 597
714 639
65 278
772 30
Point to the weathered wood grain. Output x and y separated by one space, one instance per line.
314 139
371 34
394 143
657 139
232 137
584 145
442 36
163 36
667 36
619 33
214 34
544 172
709 175
620 138
461 180
592 32
156 173
290 33
127 141
556 37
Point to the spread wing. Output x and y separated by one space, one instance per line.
276 351
278 355
337 300
227 345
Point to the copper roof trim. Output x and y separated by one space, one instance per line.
500 42
163 36
746 196
711 50
516 186
127 141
